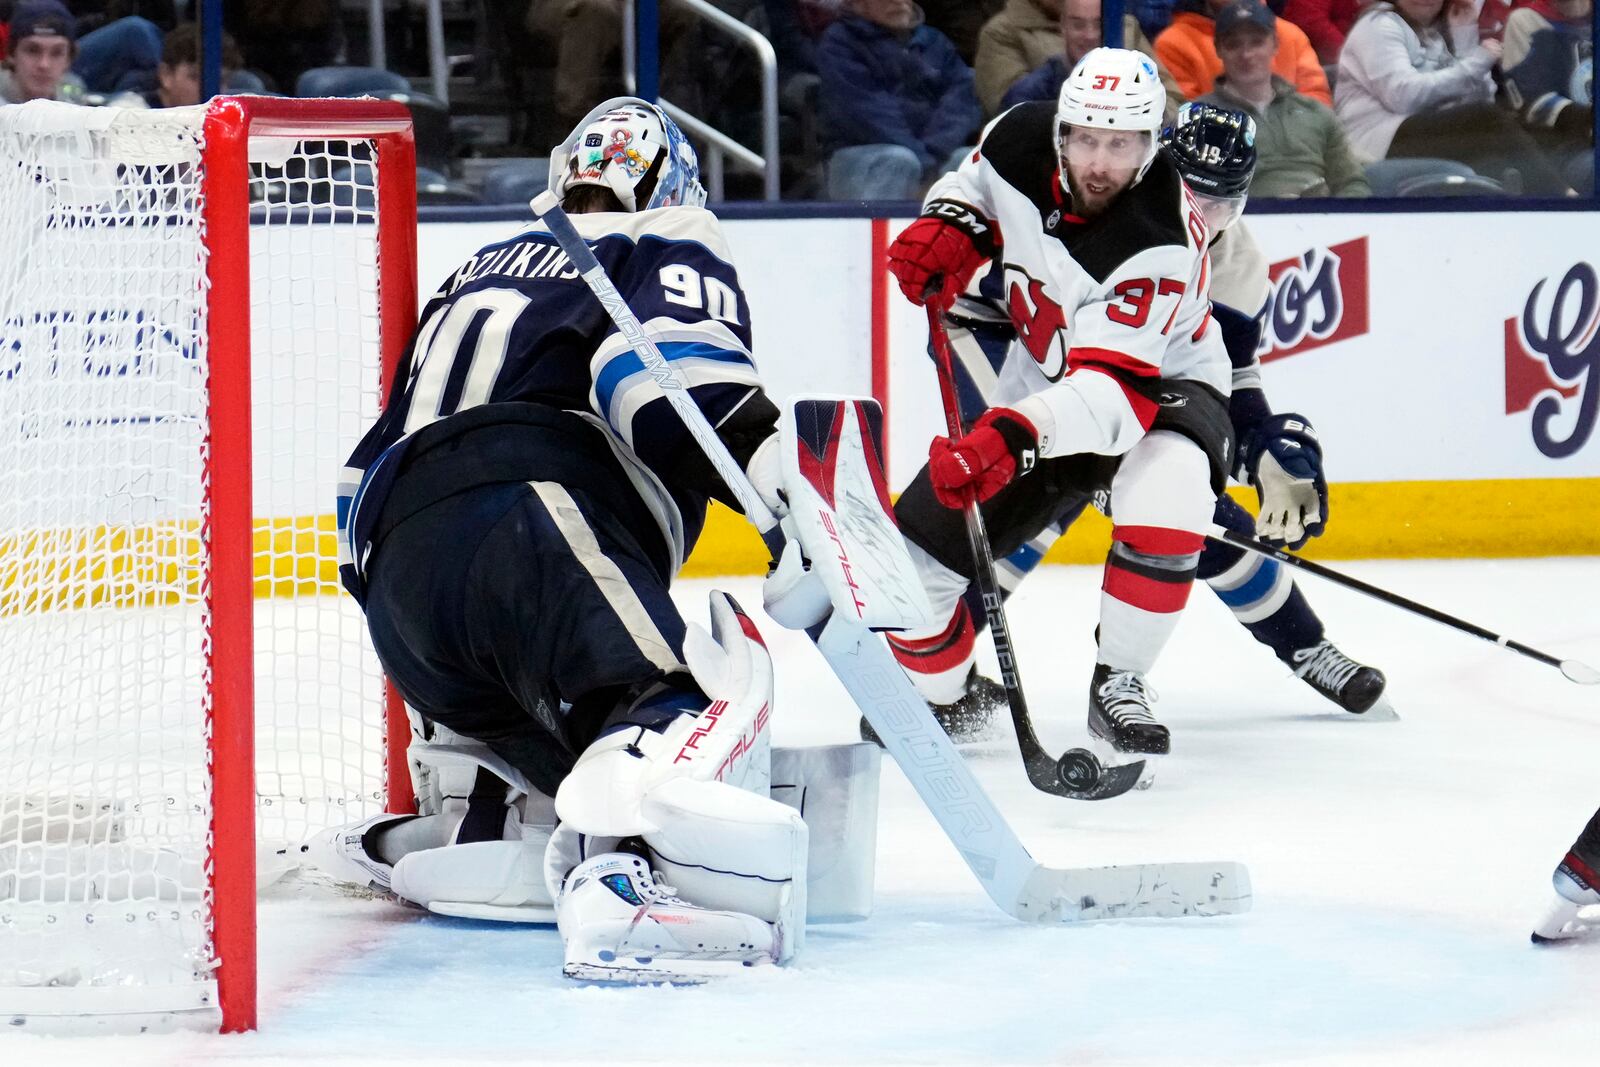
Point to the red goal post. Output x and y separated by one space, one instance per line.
204 310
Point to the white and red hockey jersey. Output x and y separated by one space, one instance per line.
1106 308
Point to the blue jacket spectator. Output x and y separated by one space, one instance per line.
897 89
1549 65
1043 83
1549 81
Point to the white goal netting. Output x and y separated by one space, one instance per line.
105 524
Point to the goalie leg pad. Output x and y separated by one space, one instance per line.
728 740
478 853
730 850
835 789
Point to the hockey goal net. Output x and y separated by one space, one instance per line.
197 307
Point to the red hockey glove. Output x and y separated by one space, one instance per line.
945 247
1002 446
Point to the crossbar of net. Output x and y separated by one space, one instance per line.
104 774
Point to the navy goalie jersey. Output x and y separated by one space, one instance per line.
516 373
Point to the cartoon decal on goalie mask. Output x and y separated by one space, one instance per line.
634 149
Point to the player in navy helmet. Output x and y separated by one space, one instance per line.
1213 149
511 525
1279 454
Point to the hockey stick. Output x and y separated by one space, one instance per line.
1078 774
1574 670
1017 883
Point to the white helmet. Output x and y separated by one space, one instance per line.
634 149
1115 89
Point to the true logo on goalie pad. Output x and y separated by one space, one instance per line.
844 561
707 722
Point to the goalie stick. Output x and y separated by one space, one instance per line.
1574 670
1018 884
1078 774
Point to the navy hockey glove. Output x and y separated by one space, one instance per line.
944 247
1284 461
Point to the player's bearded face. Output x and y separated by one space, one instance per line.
1100 164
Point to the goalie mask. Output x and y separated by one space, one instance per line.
633 149
1215 151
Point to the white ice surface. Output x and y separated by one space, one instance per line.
1398 868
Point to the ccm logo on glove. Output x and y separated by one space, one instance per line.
1001 447
944 247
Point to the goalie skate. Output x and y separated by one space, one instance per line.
621 925
343 853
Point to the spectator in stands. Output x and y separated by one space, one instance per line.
1187 49
1549 81
1326 22
1020 38
93 14
1153 16
1494 15
285 38
118 54
177 76
896 99
1414 82
586 39
1081 31
1300 148
41 41
960 20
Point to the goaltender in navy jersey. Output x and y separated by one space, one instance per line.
514 340
1103 308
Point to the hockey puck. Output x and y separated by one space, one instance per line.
1079 770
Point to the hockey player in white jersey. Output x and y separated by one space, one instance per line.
1116 384
511 525
1279 453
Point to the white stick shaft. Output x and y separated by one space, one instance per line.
1010 876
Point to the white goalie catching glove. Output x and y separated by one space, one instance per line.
696 794
1284 460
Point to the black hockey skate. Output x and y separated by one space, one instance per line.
1577 886
1119 713
1353 686
968 721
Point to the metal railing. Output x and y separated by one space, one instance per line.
719 146
438 65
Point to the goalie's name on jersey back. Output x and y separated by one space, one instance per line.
534 253
515 324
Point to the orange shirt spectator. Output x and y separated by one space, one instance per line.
1188 50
